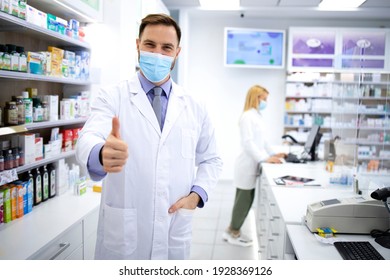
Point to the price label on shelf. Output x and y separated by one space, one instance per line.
8 176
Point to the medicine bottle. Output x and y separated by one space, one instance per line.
22 67
11 113
52 180
28 107
6 58
37 178
14 56
20 105
15 156
2 49
30 179
8 160
45 111
37 110
21 156
45 183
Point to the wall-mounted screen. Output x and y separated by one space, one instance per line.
254 48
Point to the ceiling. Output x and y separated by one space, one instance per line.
375 9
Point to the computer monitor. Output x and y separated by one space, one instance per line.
312 142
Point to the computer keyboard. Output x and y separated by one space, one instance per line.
357 250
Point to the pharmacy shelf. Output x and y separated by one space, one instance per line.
361 98
44 161
362 128
39 125
8 176
35 77
14 24
360 143
360 112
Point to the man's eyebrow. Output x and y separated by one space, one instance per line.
164 44
168 45
149 41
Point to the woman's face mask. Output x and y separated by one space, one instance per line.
262 105
156 67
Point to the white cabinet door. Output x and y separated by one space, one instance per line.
90 231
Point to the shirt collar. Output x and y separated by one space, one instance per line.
147 85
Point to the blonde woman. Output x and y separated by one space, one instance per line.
255 150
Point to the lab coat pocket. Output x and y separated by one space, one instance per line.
180 234
120 230
188 144
181 226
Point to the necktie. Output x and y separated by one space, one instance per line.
157 103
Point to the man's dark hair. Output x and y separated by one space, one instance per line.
155 19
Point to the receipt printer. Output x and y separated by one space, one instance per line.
348 215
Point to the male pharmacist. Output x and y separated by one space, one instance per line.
156 151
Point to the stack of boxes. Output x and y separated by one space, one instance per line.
59 63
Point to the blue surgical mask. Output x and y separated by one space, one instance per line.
155 66
262 105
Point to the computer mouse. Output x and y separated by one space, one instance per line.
383 241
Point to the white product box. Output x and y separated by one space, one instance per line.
52 101
47 151
62 178
38 148
27 143
36 16
65 109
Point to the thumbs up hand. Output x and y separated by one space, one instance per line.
114 151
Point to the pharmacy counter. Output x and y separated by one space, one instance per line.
307 247
279 206
63 227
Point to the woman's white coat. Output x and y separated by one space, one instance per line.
254 149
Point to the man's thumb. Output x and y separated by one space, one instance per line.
115 127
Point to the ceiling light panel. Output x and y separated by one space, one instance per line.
299 3
257 3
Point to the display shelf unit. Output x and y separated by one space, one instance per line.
358 111
307 102
9 23
45 242
42 78
361 118
39 125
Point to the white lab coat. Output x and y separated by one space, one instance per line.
255 149
161 168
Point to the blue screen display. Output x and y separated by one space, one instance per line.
254 48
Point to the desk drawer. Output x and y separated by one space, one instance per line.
61 247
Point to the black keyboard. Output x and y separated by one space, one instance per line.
357 250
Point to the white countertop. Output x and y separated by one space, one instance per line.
23 237
307 247
293 200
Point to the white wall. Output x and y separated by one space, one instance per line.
201 71
200 66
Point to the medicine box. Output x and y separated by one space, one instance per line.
38 148
52 101
27 143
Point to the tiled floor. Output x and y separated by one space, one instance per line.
209 224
